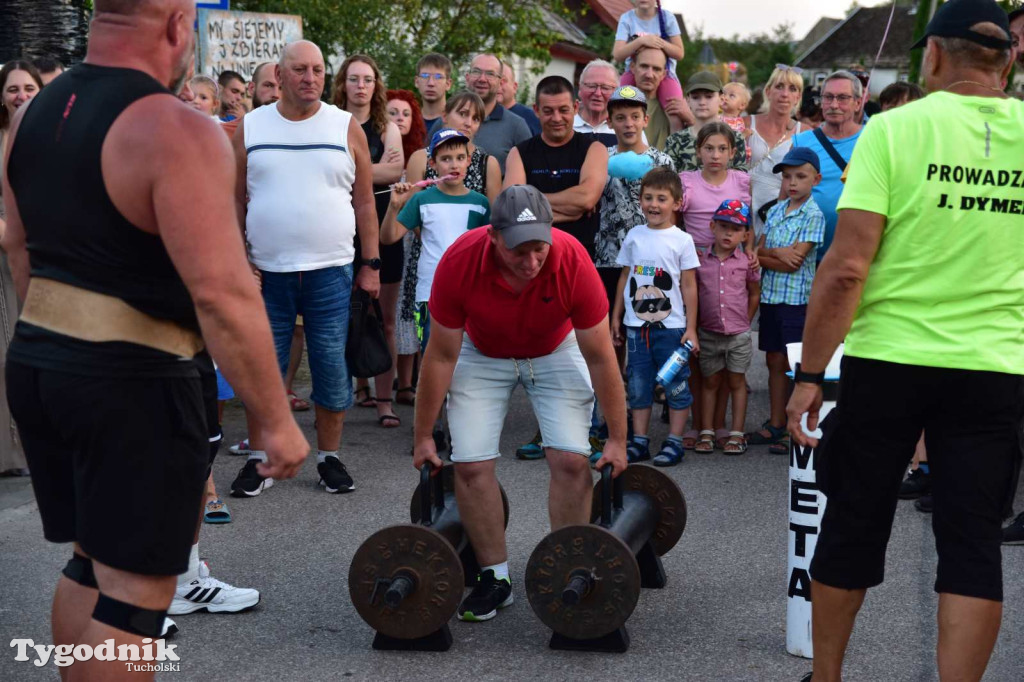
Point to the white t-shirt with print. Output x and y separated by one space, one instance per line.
656 260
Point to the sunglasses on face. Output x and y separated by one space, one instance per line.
435 76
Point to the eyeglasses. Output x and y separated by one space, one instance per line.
356 80
490 75
785 67
607 89
435 76
842 99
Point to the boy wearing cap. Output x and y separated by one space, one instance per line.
728 292
793 230
704 97
517 303
620 201
439 214
657 291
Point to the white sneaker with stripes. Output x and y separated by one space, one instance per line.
211 594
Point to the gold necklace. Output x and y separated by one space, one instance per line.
983 85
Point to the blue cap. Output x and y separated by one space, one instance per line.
798 156
444 135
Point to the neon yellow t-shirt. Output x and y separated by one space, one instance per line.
946 288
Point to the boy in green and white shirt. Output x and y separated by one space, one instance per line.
439 214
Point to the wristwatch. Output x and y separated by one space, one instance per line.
800 376
372 263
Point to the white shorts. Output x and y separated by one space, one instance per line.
557 384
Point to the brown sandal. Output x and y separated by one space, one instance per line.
411 390
368 400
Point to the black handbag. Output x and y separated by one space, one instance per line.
367 351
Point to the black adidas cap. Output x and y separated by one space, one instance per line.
955 18
522 214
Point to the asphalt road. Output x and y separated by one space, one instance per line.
721 617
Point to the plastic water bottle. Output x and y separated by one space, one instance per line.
675 362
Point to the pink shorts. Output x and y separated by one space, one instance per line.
667 91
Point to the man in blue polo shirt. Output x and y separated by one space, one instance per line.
833 142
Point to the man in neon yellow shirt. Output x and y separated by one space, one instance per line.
926 282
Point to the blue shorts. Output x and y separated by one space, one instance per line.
323 298
780 324
224 390
648 349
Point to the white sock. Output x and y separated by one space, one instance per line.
193 567
500 570
321 455
261 455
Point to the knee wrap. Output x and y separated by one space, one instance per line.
79 570
127 617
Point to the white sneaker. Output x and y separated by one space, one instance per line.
170 628
240 448
211 594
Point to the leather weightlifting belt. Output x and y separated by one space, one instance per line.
91 316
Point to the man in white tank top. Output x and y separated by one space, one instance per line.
304 187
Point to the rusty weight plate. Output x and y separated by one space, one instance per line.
668 499
416 550
613 594
448 483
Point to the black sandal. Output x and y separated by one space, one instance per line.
388 421
368 401
406 401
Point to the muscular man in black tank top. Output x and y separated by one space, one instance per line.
118 277
570 168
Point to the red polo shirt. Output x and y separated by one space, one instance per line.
470 292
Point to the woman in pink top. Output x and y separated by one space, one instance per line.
704 190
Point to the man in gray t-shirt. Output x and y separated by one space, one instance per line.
501 129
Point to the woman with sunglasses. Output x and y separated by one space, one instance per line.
770 136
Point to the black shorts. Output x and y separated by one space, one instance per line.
780 324
972 426
392 262
118 465
610 279
208 381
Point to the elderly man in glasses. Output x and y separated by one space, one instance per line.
501 129
834 141
597 83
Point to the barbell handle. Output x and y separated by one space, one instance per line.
426 513
606 496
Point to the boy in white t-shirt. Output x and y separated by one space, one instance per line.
439 214
657 291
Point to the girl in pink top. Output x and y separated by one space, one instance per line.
704 190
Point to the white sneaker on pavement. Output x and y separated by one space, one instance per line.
211 594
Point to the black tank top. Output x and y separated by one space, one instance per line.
376 143
553 169
74 232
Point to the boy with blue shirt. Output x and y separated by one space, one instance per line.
793 231
657 291
439 214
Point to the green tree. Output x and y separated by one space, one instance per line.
758 53
397 33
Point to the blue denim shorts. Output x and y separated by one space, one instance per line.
647 350
323 298
224 390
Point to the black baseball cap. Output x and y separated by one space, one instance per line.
955 18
